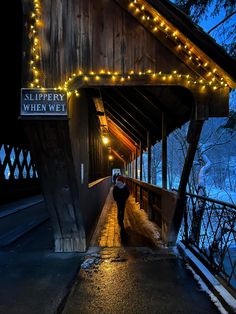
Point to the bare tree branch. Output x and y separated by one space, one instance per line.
221 22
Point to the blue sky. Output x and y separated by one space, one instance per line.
207 23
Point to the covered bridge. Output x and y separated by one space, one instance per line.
133 70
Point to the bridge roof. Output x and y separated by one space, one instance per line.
120 39
196 35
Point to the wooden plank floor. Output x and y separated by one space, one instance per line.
107 233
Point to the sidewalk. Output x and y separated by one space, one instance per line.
122 279
117 279
136 281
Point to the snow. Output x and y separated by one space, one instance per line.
205 288
228 298
137 220
221 195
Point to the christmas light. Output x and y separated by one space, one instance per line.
35 23
156 23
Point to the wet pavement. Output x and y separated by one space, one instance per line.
136 280
119 275
111 277
33 278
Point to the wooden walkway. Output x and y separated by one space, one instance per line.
139 230
107 233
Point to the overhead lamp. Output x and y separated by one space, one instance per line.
110 157
105 140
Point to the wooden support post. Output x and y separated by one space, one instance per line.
141 176
130 167
141 162
194 132
52 153
56 145
132 162
149 158
164 152
136 172
149 209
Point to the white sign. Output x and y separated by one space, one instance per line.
46 102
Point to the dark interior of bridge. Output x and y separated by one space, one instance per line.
132 112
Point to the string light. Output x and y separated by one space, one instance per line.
173 78
156 23
35 24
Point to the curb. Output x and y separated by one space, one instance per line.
19 231
12 208
222 294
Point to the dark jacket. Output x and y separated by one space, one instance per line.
120 195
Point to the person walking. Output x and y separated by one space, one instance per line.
120 195
115 177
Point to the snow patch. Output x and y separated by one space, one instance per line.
205 288
137 220
89 262
229 299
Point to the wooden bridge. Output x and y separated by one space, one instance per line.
130 70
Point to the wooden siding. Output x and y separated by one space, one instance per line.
91 35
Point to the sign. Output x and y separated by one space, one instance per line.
43 102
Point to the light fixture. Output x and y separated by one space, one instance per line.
105 140
110 157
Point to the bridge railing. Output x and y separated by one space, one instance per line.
157 202
209 230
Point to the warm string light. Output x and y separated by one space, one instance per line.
149 75
35 24
158 24
211 79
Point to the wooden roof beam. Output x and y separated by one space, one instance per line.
122 126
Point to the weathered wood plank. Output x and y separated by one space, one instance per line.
94 35
54 161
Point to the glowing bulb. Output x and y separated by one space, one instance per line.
110 157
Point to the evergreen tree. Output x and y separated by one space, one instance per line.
225 30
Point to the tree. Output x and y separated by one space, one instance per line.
224 31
